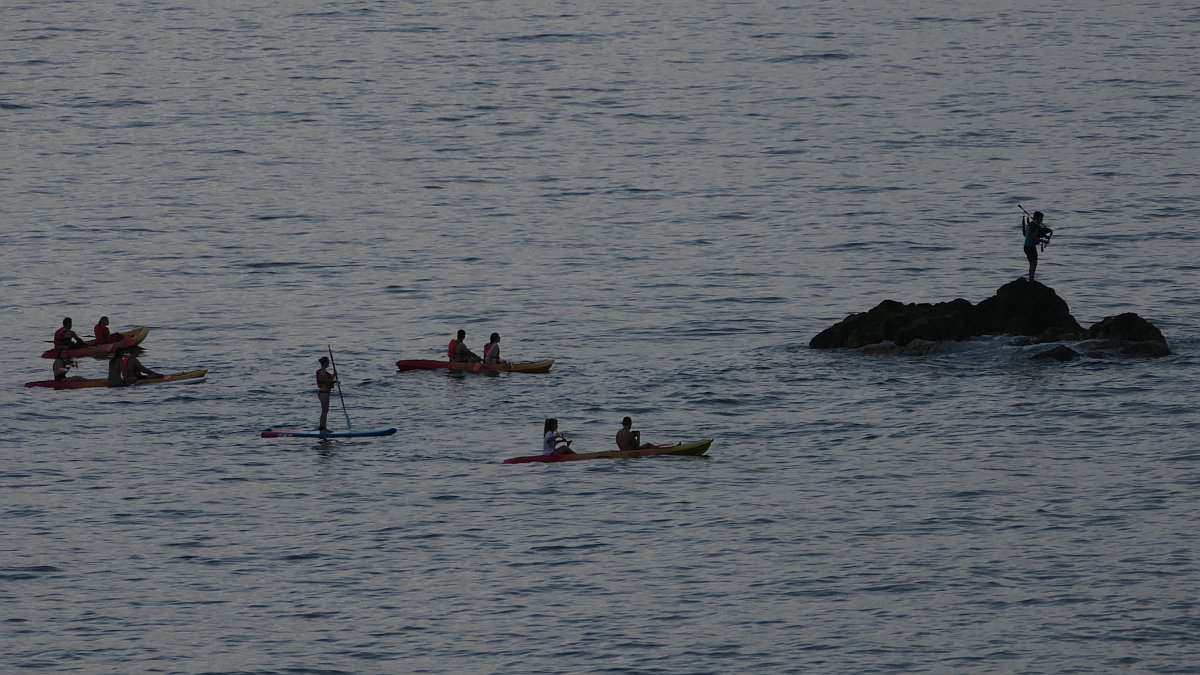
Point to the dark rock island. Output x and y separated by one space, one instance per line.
1032 311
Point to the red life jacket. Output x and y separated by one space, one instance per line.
487 349
101 334
60 338
128 373
452 351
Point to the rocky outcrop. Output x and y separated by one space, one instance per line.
1023 308
892 321
1129 327
1020 308
1125 334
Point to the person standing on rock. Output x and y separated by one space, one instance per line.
1035 233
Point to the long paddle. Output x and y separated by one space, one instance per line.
338 381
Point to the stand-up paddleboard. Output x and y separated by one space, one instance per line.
300 433
348 433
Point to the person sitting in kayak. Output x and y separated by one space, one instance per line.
553 442
115 378
132 369
65 338
103 336
458 352
629 438
491 351
325 382
62 365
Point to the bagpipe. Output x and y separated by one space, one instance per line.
1043 233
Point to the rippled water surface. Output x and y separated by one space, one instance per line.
670 199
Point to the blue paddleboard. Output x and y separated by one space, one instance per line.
300 433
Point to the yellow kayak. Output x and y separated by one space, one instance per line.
189 377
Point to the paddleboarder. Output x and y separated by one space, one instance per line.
458 352
65 338
553 442
629 438
325 382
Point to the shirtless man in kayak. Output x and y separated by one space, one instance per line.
628 438
62 366
65 338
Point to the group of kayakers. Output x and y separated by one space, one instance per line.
66 337
553 441
1033 230
124 366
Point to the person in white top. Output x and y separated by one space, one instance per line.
491 351
553 442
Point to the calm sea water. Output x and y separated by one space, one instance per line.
670 199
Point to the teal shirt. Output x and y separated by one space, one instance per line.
1031 234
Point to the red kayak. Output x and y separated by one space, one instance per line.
694 448
542 366
131 338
